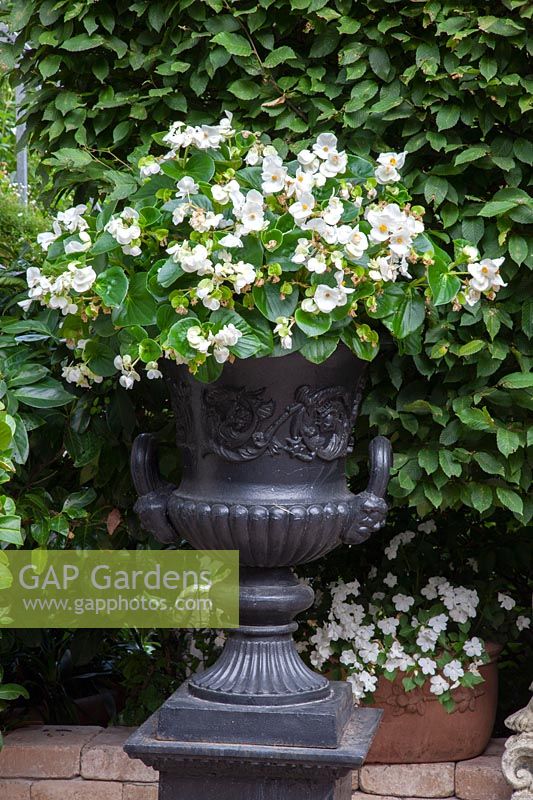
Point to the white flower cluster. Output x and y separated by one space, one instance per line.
485 274
423 636
125 229
57 292
227 337
70 221
80 375
391 224
217 266
203 137
389 166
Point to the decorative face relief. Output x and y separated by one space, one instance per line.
242 424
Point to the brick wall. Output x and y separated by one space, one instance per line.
60 762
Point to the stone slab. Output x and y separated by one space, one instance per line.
15 789
76 789
140 791
103 758
365 796
409 780
480 779
49 751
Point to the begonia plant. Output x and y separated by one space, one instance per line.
218 249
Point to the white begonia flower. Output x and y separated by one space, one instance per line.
388 626
472 253
385 174
317 264
368 651
204 291
325 145
243 275
523 623
453 670
426 639
148 166
230 240
301 252
327 298
302 183
197 339
356 244
179 213
251 214
131 250
283 330
427 665
309 305
303 208
390 580
46 239
472 296
196 260
333 211
438 623
227 336
273 174
395 160
473 647
308 161
400 242
506 602
186 187
334 165
383 268
82 278
80 246
253 156
384 221
402 602
152 371
438 685
72 219
486 275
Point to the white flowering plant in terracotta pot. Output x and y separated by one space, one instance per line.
431 630
216 248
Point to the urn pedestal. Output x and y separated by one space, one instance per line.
263 452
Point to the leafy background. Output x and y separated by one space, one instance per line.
448 82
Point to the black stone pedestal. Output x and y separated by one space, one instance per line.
218 771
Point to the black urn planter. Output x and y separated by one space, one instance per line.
263 451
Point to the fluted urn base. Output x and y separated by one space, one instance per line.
260 664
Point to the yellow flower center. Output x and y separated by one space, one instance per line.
393 162
383 228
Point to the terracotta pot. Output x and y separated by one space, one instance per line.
415 727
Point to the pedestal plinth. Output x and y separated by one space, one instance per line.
224 771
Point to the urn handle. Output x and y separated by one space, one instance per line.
153 490
369 506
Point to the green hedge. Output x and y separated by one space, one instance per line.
446 81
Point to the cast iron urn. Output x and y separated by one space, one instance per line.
263 453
